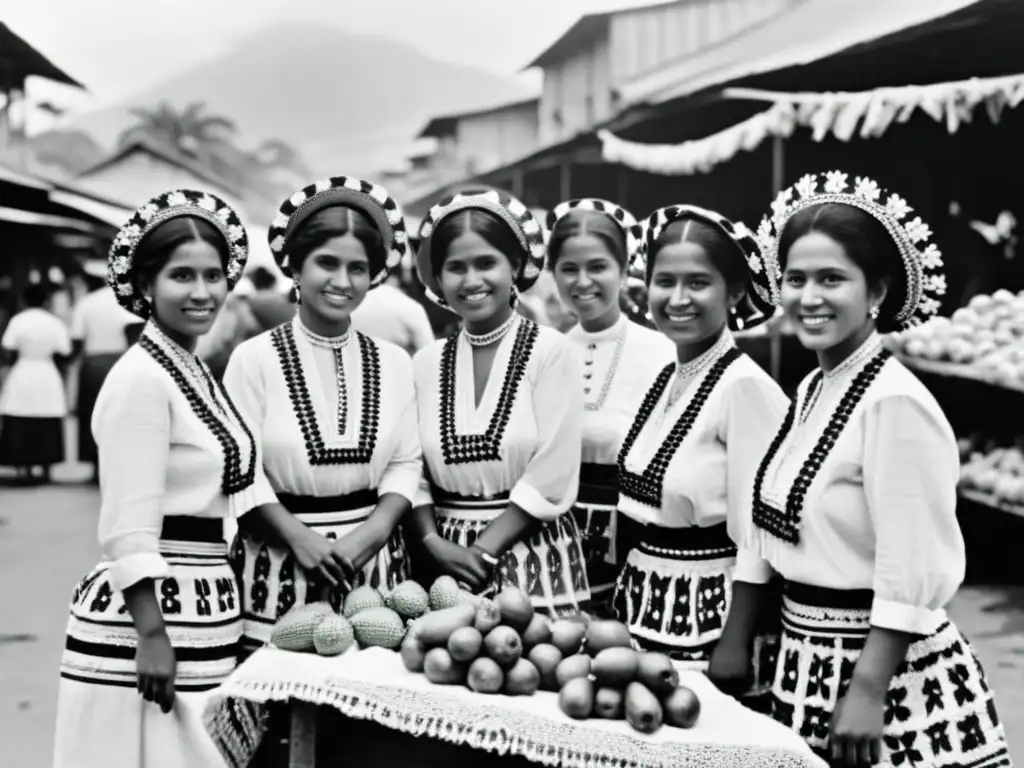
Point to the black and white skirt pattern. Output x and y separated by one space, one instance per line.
272 582
596 517
547 566
940 712
102 720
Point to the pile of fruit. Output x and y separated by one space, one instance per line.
997 472
502 646
368 618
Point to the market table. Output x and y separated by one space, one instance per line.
370 693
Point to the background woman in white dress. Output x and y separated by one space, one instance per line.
33 402
333 410
157 623
500 412
687 464
855 500
591 247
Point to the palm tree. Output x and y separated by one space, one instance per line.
277 153
189 130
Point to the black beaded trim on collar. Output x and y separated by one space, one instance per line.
466 449
319 455
647 488
233 479
785 525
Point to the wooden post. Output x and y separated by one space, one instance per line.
302 738
778 179
622 187
565 179
518 183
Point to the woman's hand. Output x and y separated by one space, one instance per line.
316 553
730 668
463 563
156 665
856 738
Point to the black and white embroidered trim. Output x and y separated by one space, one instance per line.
646 488
785 525
466 449
233 479
319 455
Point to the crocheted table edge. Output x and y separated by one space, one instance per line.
235 718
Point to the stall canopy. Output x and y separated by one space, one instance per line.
810 31
19 60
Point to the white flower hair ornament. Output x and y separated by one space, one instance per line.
162 208
525 227
921 260
365 196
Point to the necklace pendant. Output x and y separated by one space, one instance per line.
486 339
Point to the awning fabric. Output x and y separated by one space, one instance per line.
836 114
810 31
33 219
114 215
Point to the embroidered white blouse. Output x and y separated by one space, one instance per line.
881 512
281 382
539 442
619 365
157 457
709 478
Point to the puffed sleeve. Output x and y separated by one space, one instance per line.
245 386
911 466
405 468
754 412
10 339
132 427
548 487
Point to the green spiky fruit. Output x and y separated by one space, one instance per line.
361 598
380 627
409 600
294 631
333 635
444 593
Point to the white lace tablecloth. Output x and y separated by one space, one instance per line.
372 684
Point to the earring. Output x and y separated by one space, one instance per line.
514 297
295 291
732 309
873 312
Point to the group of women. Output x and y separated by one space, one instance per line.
657 476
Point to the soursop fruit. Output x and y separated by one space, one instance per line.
333 635
409 600
379 627
361 598
444 593
294 631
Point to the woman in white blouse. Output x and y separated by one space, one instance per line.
157 623
687 463
500 412
855 500
591 246
333 410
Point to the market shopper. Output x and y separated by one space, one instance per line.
500 412
333 410
157 623
591 245
687 464
855 500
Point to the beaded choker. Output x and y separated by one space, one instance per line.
647 488
486 339
785 524
326 342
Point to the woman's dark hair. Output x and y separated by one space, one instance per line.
156 247
34 295
488 225
865 241
585 222
720 248
336 221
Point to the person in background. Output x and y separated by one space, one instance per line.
270 306
33 402
387 313
99 338
235 323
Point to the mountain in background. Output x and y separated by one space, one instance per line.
350 103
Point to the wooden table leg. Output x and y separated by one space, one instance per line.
302 736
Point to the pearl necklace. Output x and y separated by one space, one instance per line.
326 342
189 364
620 342
687 371
854 360
336 344
486 339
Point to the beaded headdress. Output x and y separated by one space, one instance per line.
162 208
921 260
751 311
527 230
367 197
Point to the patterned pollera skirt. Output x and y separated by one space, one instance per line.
674 593
272 581
939 711
548 566
596 517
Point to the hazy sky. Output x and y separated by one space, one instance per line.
116 47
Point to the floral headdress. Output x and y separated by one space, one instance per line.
162 208
527 230
922 261
755 309
367 197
